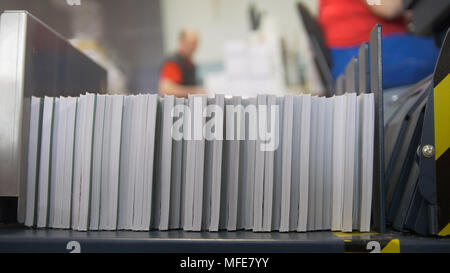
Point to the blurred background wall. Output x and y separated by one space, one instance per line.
127 34
221 20
131 38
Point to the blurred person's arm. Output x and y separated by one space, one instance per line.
389 9
168 87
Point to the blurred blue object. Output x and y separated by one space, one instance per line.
407 59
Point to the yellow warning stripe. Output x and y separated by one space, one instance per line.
445 231
353 234
442 128
392 247
442 116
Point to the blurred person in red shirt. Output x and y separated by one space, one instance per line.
178 73
346 24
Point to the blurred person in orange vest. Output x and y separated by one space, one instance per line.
178 75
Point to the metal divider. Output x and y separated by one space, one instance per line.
360 78
376 86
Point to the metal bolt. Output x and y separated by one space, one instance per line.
428 151
394 98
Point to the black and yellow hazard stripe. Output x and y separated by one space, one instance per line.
370 242
442 154
441 83
373 245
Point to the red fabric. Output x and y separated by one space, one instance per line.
171 71
348 23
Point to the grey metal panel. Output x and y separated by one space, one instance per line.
401 213
363 67
12 67
35 61
413 205
13 240
340 85
376 83
351 76
27 240
399 135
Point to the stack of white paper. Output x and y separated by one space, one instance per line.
44 163
141 162
33 166
109 189
62 160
